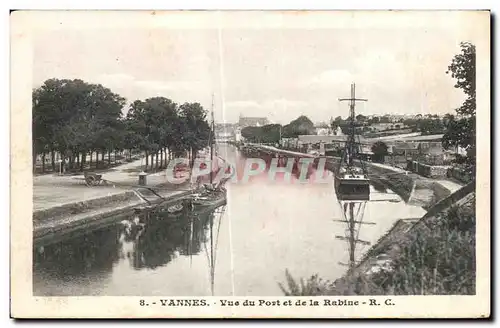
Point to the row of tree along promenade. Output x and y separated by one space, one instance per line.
78 120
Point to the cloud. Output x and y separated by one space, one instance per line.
115 78
331 77
266 105
242 104
139 89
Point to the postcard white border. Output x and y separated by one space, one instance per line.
25 305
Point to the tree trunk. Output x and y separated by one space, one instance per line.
62 164
103 157
147 161
156 166
90 160
193 157
33 158
43 162
77 159
84 158
96 159
53 160
109 158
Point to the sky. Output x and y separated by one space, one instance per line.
274 72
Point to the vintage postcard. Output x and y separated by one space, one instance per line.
250 164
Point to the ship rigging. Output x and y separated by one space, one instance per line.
351 181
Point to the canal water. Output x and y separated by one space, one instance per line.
267 227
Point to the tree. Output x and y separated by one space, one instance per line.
463 69
73 117
300 126
269 133
104 125
447 118
360 118
461 131
430 126
374 119
385 119
155 122
379 150
195 130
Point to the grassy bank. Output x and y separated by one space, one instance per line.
435 256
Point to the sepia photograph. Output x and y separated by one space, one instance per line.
250 163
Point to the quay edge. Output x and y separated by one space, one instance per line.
76 216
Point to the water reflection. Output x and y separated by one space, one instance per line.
353 215
92 254
149 241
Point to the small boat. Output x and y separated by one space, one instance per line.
175 208
210 196
142 209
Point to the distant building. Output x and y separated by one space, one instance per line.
324 131
366 153
377 127
252 121
406 149
338 131
225 136
237 135
290 142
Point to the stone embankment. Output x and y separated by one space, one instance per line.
412 188
95 212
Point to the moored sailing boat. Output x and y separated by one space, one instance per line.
351 182
211 194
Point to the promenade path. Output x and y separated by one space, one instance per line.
54 190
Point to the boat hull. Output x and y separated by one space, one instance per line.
209 202
352 189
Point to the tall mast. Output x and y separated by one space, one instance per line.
212 138
352 233
352 117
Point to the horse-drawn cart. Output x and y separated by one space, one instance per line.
93 179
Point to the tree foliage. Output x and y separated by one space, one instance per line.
463 69
379 150
461 131
75 118
300 126
262 134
